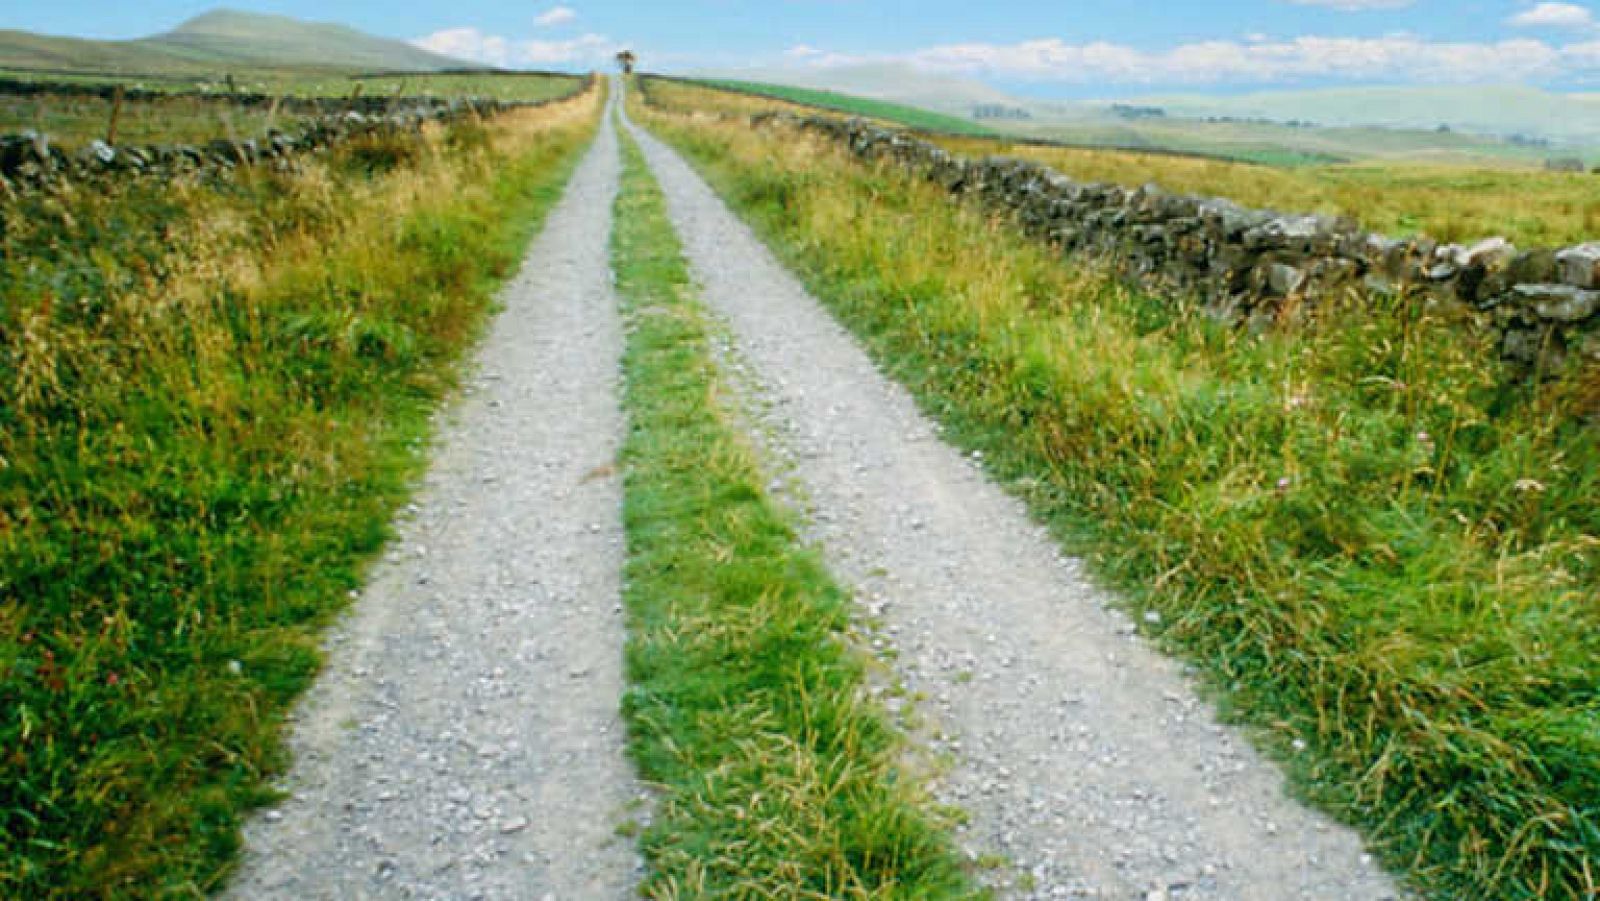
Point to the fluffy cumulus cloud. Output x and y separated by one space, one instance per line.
472 44
469 44
1254 61
558 15
1555 15
808 55
590 49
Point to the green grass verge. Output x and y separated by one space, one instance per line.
747 707
1382 552
212 400
866 107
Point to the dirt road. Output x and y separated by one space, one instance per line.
465 741
1084 757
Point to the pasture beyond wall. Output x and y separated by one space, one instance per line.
29 160
1256 266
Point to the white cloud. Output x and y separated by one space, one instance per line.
559 15
1555 15
496 50
1350 6
813 57
1392 58
468 44
1585 55
591 49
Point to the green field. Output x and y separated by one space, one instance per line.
75 121
1282 145
72 120
303 83
866 108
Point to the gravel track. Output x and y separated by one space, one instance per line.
1084 757
464 741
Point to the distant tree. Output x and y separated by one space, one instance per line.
626 59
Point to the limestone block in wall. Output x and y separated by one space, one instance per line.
1560 303
1282 280
1489 252
1580 265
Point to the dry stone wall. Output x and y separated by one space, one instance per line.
1255 266
29 160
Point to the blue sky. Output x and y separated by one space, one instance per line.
1067 47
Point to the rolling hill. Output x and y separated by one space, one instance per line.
1481 109
223 38
892 82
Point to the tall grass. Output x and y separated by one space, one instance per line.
747 707
1384 554
212 398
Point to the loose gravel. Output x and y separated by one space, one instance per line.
1084 758
465 741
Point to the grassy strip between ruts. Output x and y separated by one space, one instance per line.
213 397
1381 550
779 780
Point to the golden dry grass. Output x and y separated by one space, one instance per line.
1447 202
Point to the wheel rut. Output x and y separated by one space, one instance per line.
465 741
1084 758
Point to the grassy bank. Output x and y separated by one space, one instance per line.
779 780
1384 554
213 396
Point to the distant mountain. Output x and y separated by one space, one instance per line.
1497 110
223 38
230 36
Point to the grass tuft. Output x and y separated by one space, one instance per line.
747 706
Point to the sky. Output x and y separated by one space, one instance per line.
1062 47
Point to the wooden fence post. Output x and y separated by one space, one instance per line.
116 113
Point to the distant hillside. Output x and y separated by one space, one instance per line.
893 82
1482 109
229 36
868 107
223 38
